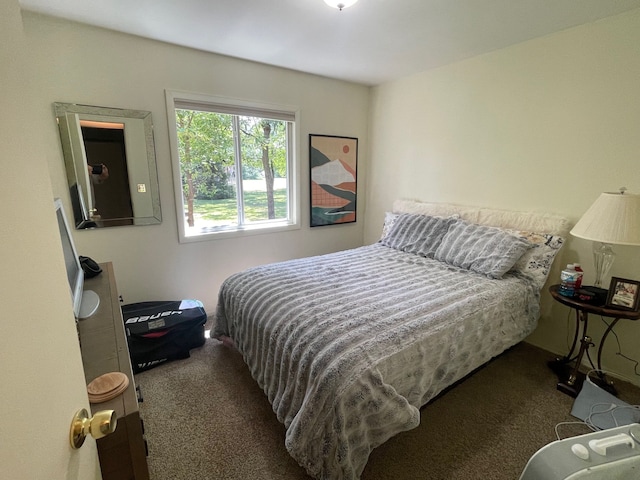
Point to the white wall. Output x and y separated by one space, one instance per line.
43 383
545 125
80 64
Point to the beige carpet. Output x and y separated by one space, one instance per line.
205 418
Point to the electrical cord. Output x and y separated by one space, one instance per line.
568 338
567 423
593 367
609 408
619 352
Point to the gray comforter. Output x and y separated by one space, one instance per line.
348 346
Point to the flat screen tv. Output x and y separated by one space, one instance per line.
85 302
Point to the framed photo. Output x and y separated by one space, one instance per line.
623 294
333 162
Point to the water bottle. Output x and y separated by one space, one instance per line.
580 275
568 278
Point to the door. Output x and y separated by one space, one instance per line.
42 378
42 382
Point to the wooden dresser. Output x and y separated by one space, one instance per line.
104 349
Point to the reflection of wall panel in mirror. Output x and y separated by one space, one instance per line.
122 140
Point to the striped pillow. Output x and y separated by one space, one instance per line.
418 234
482 249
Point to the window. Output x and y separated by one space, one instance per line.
234 166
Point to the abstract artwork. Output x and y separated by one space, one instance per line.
334 165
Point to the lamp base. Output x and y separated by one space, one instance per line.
593 295
603 257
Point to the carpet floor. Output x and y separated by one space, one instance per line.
205 418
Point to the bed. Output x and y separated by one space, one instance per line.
348 346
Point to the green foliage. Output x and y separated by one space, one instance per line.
206 148
253 142
205 145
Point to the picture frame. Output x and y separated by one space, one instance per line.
624 294
333 179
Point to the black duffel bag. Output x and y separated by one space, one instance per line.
161 331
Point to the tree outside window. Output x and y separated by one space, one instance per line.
233 168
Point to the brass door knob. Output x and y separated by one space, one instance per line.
100 425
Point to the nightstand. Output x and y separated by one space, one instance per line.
569 377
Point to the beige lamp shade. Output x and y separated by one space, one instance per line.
613 218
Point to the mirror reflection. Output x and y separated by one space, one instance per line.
110 162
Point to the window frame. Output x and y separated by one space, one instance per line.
179 99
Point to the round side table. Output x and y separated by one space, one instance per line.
570 379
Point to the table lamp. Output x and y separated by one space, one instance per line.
613 219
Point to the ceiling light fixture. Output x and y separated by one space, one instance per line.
340 4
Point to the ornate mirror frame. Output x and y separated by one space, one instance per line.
120 144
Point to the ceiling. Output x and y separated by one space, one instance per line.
372 42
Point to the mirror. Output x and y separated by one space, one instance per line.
110 161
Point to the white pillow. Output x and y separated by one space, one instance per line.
389 220
536 262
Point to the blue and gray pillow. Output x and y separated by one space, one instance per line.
417 234
480 248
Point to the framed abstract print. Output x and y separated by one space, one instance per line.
334 167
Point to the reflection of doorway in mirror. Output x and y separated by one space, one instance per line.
105 145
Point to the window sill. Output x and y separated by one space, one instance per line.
206 234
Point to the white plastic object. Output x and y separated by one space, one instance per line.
580 451
601 445
89 304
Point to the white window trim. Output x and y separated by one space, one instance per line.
293 176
